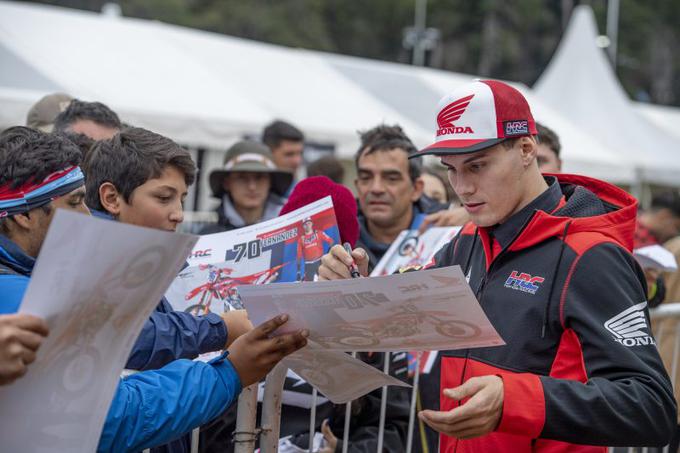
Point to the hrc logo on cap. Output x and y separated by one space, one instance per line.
523 282
519 127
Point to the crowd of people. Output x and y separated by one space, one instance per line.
563 381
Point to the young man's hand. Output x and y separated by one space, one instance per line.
237 323
20 337
335 264
254 354
476 417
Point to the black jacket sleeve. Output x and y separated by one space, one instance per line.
627 399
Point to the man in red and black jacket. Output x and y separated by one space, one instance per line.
549 258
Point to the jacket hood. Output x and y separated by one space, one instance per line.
589 206
12 257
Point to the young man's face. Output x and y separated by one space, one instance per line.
548 162
288 155
248 190
489 183
36 222
93 130
384 186
157 203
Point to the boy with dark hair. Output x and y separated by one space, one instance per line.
129 160
141 178
286 143
38 174
549 148
93 119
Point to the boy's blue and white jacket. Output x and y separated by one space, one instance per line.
149 408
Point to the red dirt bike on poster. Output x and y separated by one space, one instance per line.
222 287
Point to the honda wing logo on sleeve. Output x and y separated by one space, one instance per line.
630 326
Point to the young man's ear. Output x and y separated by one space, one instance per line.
529 150
25 220
418 186
110 198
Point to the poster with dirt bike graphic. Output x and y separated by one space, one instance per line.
285 249
430 310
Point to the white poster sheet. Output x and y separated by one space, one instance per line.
95 296
342 377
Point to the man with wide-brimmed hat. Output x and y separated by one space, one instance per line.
250 186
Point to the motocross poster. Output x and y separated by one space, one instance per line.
286 249
411 249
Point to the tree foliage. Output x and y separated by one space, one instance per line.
512 39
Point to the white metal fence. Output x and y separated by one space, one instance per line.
666 327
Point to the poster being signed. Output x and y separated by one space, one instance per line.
432 309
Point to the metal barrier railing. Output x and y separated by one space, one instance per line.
247 431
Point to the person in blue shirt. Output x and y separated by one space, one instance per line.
39 174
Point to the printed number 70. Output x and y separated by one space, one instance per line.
252 248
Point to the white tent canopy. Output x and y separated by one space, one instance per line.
580 83
204 89
199 88
665 117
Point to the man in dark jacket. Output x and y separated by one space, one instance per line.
389 189
250 186
550 262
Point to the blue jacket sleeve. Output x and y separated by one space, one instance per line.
13 288
176 335
152 408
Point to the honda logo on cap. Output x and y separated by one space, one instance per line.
452 112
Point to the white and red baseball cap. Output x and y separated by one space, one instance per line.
479 115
